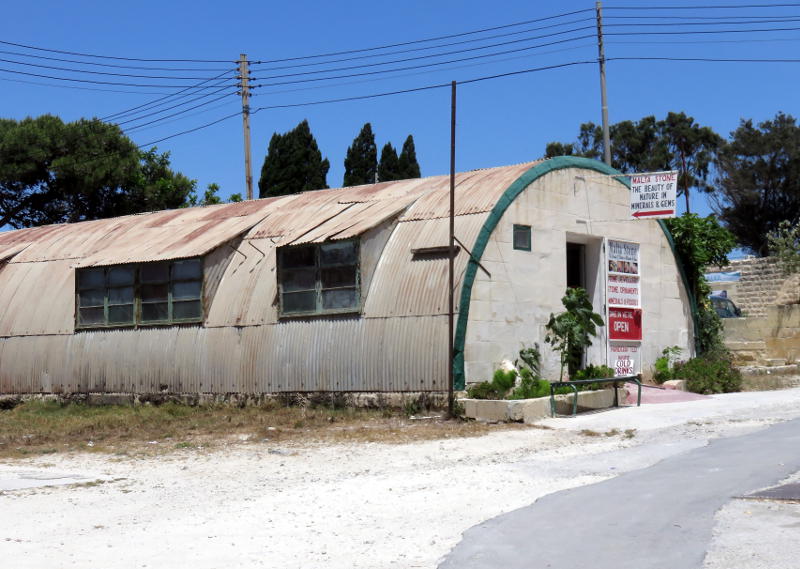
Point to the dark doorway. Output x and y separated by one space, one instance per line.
576 275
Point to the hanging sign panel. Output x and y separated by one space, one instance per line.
624 358
624 323
622 281
653 195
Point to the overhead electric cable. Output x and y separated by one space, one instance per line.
183 111
118 58
236 114
179 94
705 59
115 65
137 129
164 110
723 23
704 7
72 70
697 32
99 82
40 84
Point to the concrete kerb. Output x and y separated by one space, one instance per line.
532 410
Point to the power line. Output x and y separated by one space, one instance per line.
97 82
150 114
114 65
138 129
118 58
153 104
40 84
705 59
435 64
236 114
424 48
183 111
73 70
429 56
712 7
692 32
704 23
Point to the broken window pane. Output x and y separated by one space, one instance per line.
154 273
155 312
339 298
337 253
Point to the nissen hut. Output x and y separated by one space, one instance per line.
338 290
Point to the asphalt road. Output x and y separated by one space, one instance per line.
657 517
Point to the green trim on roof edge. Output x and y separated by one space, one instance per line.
510 194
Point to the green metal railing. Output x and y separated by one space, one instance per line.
575 383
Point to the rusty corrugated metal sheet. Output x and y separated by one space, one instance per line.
37 298
404 286
301 355
353 221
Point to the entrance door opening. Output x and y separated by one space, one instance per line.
576 265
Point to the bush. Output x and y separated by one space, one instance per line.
663 369
595 372
712 372
530 386
502 382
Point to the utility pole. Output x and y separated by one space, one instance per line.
603 100
244 76
451 255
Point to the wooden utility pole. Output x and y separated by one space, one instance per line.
603 100
244 76
452 256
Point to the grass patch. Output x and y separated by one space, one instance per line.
43 427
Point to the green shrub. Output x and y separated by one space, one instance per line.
712 372
595 372
502 382
663 369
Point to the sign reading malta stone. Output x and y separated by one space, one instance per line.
653 195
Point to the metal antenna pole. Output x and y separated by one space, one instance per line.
244 74
451 254
603 99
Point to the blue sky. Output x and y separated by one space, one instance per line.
503 121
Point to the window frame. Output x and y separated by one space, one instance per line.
137 285
318 289
519 227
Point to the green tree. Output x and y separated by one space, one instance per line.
361 161
676 142
293 164
56 172
408 165
389 166
211 197
784 243
701 242
759 180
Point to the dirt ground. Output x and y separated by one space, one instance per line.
254 502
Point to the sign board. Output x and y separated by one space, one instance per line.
623 290
624 358
622 281
625 323
654 195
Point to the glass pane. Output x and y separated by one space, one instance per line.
302 279
187 310
92 297
297 257
91 278
122 295
121 275
300 302
337 253
341 276
154 272
186 290
122 314
188 269
154 293
92 316
340 298
155 312
522 237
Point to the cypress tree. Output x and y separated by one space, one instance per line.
408 166
361 162
389 166
293 164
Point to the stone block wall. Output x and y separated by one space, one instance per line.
759 285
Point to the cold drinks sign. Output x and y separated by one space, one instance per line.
653 195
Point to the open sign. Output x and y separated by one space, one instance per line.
625 323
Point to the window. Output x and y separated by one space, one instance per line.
317 279
522 237
140 295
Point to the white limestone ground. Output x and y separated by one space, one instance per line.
258 504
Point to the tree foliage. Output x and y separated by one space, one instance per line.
56 172
759 180
784 243
361 161
676 142
701 242
571 331
293 164
389 166
407 161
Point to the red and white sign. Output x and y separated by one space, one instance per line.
624 323
624 358
653 195
623 290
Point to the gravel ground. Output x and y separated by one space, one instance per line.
251 504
